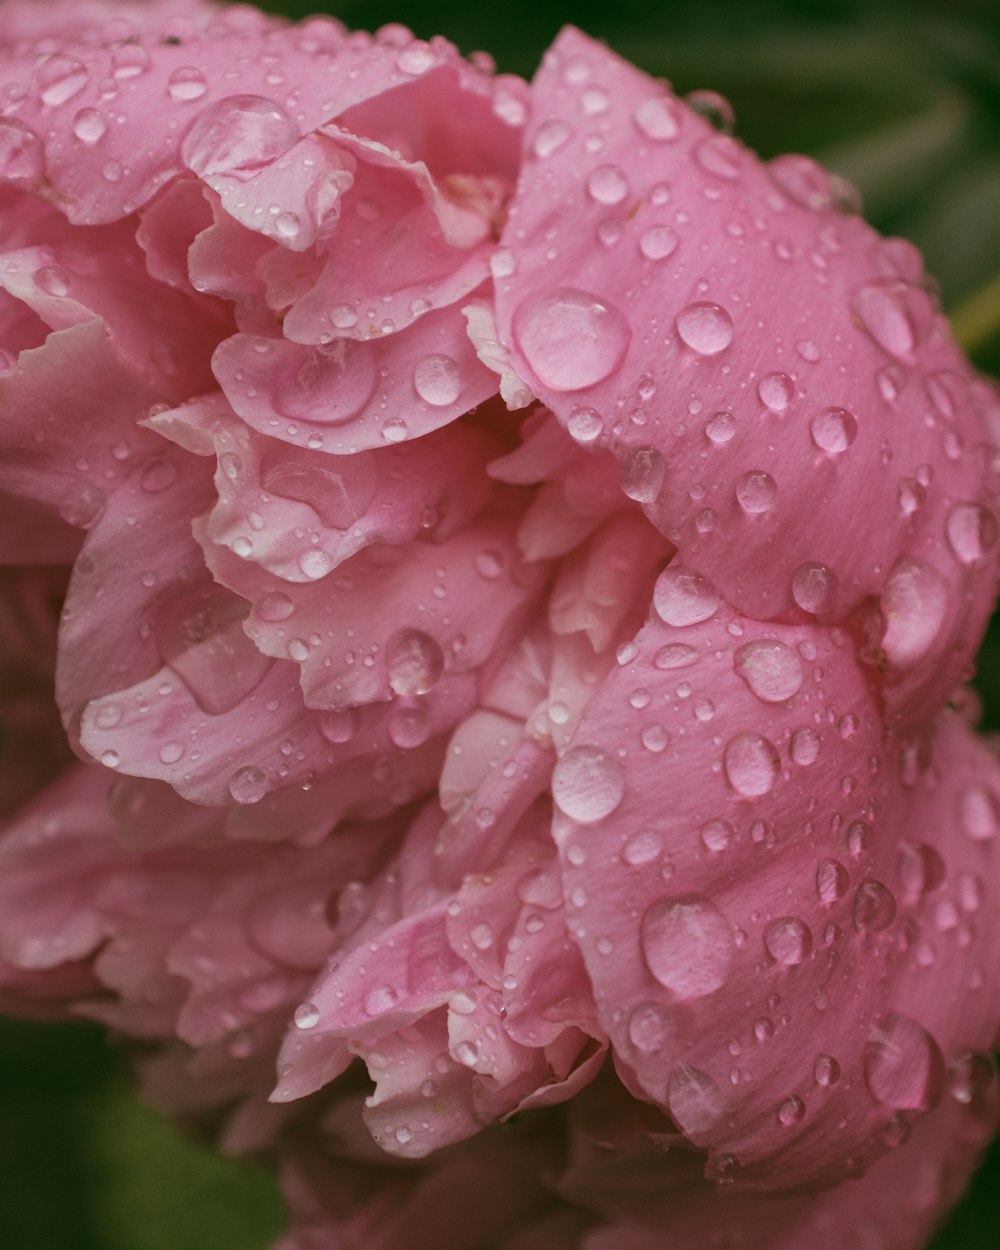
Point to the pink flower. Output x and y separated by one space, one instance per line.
600 770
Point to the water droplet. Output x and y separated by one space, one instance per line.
920 868
81 504
897 314
874 907
409 727
972 532
814 587
22 156
904 1068
128 60
570 338
694 1100
315 563
339 725
826 1071
791 1111
971 1079
715 109
157 476
717 835
978 812
658 118
273 607
776 391
756 492
549 138
833 430
720 155
658 242
306 1016
607 184
288 225
585 424
110 759
380 1000
688 945
437 381
649 1027
914 605
683 597
60 78
89 126
642 472
803 180
467 1054
804 747
705 327
187 82
414 661
752 764
788 940
243 132
675 655
587 784
721 428
248 785
53 280
171 752
770 668
642 848
416 59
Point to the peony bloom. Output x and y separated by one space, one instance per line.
510 559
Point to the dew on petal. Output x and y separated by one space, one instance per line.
705 327
694 1100
814 587
904 1068
587 784
752 764
874 906
414 661
683 597
788 940
972 532
570 338
688 945
248 785
238 133
770 668
833 430
437 381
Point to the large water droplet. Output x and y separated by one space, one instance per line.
658 118
978 814
752 764
22 156
897 314
658 242
306 1016
239 133
776 391
904 1068
587 784
814 587
329 387
683 597
770 668
201 637
688 945
649 1027
187 82
920 867
642 472
914 604
874 907
694 1100
437 381
834 430
607 184
248 785
826 1070
705 327
570 338
972 532
756 492
788 940
832 881
60 78
414 661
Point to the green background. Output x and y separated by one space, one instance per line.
902 98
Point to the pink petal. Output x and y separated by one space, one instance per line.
335 398
740 942
858 365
